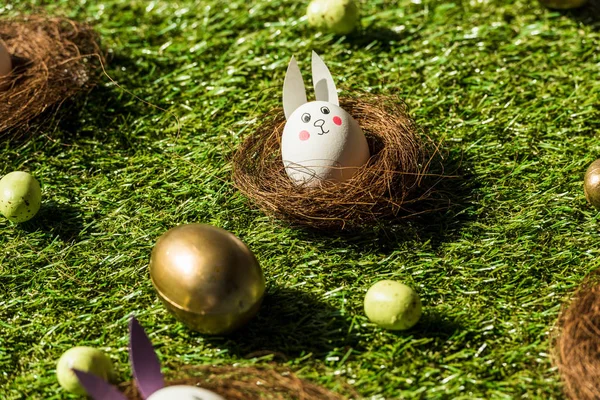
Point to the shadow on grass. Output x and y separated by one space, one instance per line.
61 220
436 219
588 14
381 38
94 113
290 323
86 115
442 216
106 109
433 324
372 37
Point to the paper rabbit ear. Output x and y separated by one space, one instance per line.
294 93
144 362
323 81
97 388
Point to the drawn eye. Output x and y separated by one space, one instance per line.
305 117
325 110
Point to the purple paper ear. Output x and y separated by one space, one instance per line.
144 362
97 388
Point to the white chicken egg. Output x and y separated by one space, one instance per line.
322 142
183 392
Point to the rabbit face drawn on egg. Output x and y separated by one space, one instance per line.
321 141
146 371
183 392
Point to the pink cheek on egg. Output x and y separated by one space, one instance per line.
337 120
304 135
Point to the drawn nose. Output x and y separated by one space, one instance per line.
319 123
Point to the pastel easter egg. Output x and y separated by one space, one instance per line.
337 16
20 196
322 142
392 305
86 359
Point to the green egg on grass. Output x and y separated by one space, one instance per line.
87 359
337 16
20 196
392 305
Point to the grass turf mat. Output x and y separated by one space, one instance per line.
512 88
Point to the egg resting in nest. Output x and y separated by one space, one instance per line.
398 180
250 383
52 60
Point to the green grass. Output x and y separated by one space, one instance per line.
512 89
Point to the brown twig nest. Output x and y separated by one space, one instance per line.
250 383
577 344
53 59
390 185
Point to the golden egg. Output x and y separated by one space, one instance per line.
591 184
563 4
5 60
207 278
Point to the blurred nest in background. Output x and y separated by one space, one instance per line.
249 383
393 183
577 342
53 59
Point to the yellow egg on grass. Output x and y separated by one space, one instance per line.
392 305
5 60
337 16
86 359
20 196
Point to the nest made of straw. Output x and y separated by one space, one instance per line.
388 186
249 383
53 59
577 343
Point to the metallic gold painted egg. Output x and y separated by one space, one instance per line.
591 184
207 278
5 60
563 4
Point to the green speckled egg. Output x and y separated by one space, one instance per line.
337 16
20 196
392 305
86 359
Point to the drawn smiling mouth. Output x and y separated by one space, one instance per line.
322 131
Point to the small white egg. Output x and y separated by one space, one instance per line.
183 392
5 60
